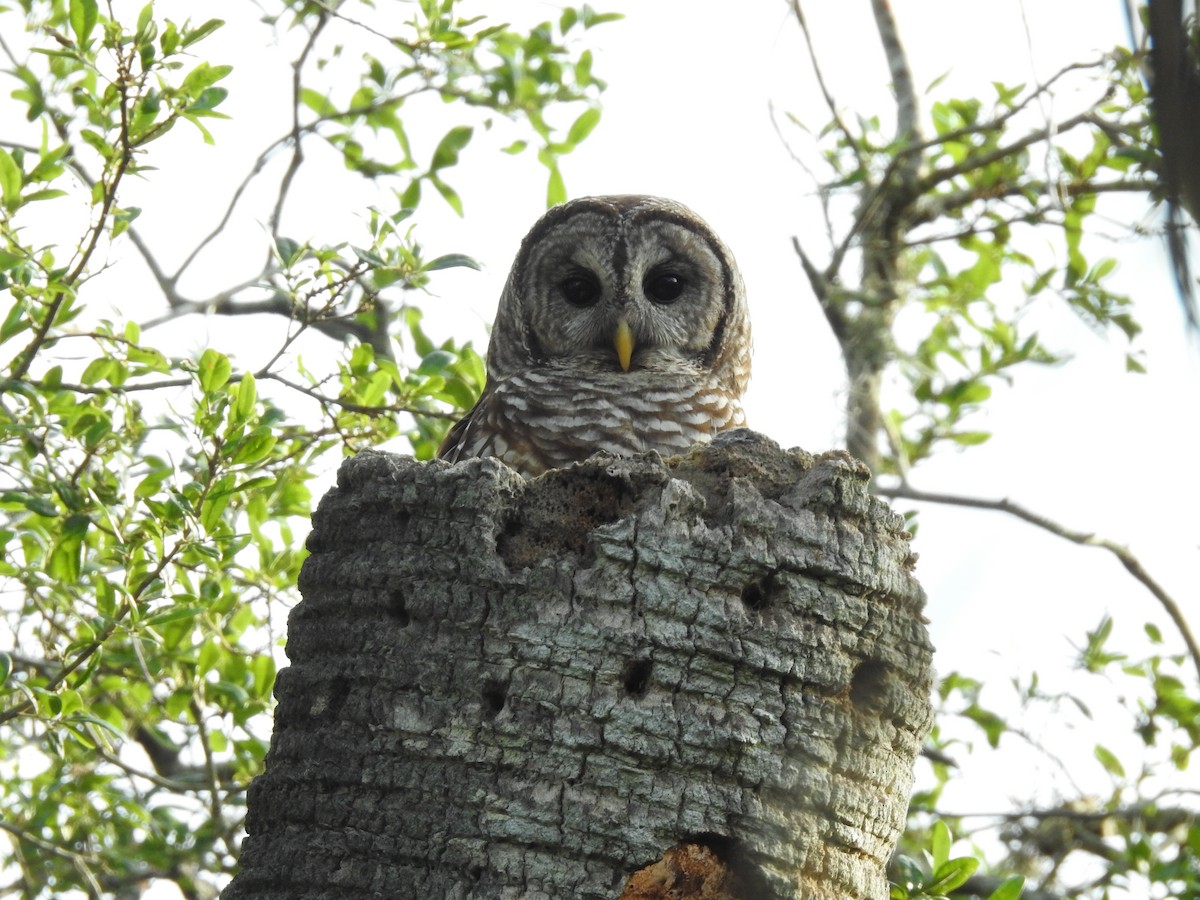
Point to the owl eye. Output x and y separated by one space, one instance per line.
580 290
664 287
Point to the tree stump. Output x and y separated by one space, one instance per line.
504 687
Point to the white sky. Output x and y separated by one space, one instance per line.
686 116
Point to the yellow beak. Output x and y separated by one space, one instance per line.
623 341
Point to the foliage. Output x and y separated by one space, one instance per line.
151 499
947 225
938 875
965 225
1140 830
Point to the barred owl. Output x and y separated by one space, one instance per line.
622 327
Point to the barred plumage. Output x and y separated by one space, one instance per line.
622 327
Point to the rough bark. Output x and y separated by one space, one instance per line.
512 688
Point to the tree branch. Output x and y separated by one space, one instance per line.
1087 539
937 205
908 125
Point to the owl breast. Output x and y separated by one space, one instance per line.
550 419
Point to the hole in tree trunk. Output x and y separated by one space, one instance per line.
495 695
869 683
637 677
759 596
397 608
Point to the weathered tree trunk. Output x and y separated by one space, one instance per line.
511 688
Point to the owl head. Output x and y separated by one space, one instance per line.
623 284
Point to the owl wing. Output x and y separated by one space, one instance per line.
469 436
495 427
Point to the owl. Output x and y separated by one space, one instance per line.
622 327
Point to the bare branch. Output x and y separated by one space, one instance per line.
1087 539
851 140
823 287
297 158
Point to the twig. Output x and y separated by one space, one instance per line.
937 176
355 407
833 110
1087 539
102 390
29 837
27 355
297 158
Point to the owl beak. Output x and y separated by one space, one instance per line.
623 341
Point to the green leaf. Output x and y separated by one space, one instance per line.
146 29
583 126
317 102
262 670
952 874
214 370
1010 889
172 613
909 870
256 446
451 261
970 438
246 396
556 189
84 15
435 361
215 504
16 321
203 76
149 486
170 39
210 655
1109 760
209 99
449 147
411 197
97 142
98 370
448 194
11 180
41 506
940 841
66 557
198 34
